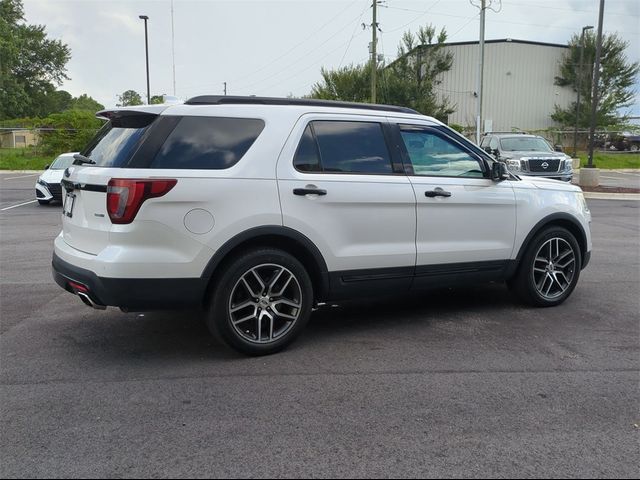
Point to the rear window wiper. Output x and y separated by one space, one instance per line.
80 159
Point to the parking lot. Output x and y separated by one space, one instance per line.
452 383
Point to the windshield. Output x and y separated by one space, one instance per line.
524 144
62 162
116 141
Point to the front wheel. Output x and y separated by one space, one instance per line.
550 268
262 301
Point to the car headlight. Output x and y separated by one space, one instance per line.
42 182
568 163
514 165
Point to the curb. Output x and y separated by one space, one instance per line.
612 196
11 172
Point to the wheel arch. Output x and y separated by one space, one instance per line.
283 238
559 220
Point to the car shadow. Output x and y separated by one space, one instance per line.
184 335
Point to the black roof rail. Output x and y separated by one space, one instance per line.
238 100
518 132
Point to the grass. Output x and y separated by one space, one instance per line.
23 159
611 161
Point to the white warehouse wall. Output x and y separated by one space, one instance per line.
519 90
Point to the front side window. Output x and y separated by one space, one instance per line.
434 155
352 147
208 143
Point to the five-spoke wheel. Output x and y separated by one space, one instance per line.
261 302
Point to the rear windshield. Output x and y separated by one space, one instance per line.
117 140
211 143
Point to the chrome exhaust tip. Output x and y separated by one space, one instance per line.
90 303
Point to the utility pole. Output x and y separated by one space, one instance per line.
225 89
374 56
578 85
483 8
173 51
594 86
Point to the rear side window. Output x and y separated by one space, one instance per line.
208 143
344 147
117 140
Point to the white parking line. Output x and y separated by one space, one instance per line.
23 176
19 205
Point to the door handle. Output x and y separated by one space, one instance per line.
438 192
309 191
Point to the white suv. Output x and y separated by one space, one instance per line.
258 209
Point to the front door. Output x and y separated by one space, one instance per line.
465 221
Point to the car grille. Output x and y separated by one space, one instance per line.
544 165
55 189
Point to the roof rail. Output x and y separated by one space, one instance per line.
516 132
238 100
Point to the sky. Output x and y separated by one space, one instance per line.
277 48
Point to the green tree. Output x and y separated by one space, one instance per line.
129 98
409 81
616 81
85 102
68 131
31 64
157 99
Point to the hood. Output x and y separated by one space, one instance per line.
550 184
530 154
52 176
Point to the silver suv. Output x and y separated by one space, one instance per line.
528 155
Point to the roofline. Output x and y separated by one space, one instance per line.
507 40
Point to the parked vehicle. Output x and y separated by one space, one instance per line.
48 186
258 209
529 155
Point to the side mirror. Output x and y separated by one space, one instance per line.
488 149
46 167
499 171
558 148
496 153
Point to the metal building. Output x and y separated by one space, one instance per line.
519 90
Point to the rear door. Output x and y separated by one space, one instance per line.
342 187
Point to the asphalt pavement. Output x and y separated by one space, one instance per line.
453 383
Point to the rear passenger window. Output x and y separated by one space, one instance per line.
352 147
208 143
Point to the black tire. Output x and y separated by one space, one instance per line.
44 202
532 273
233 288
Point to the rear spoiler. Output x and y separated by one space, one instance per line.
140 110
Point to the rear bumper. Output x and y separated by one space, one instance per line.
131 293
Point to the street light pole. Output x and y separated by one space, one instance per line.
579 86
146 49
594 86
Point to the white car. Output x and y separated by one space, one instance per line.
48 186
257 209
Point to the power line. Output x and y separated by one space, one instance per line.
353 34
312 35
422 14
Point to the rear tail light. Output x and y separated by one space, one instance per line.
125 196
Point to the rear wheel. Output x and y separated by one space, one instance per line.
550 268
262 302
